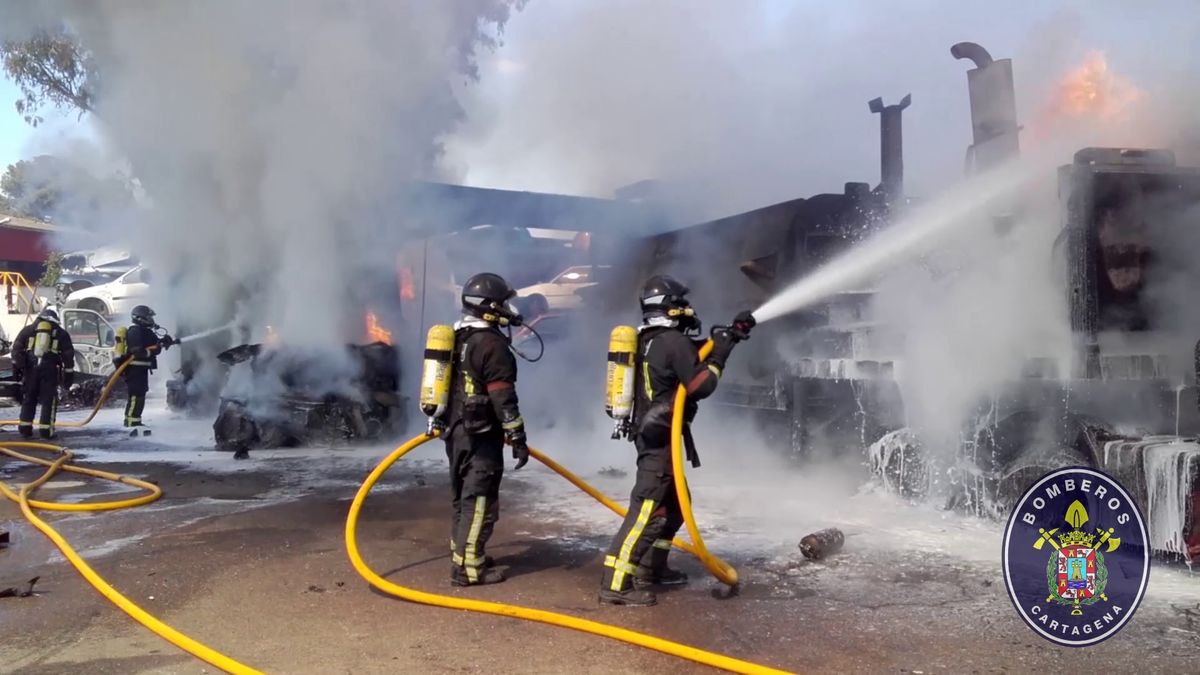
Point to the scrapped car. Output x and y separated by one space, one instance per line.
558 294
115 298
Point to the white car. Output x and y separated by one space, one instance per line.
559 293
116 297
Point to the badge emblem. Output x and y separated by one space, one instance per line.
1076 560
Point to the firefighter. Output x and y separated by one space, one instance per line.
483 415
667 356
46 358
140 345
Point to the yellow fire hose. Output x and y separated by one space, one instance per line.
153 492
722 570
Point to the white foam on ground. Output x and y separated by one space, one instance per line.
748 502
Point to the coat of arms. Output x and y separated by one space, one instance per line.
1075 573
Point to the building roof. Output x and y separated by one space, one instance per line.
21 223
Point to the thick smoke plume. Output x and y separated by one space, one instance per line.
269 137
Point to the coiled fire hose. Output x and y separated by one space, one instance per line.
153 492
719 568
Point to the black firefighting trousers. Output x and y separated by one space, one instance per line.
476 467
137 384
653 519
39 387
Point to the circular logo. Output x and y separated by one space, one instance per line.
1076 557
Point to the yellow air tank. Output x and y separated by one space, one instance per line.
119 348
618 401
435 374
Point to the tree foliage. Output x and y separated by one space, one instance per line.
52 69
50 189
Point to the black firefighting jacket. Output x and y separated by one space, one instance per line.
143 344
59 351
483 394
667 358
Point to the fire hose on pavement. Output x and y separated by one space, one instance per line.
719 568
63 463
722 570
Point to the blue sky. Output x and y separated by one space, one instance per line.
18 140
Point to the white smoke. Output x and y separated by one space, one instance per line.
268 135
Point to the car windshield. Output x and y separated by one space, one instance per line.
83 327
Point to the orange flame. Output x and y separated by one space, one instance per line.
376 332
1093 91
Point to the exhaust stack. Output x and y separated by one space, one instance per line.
891 147
993 108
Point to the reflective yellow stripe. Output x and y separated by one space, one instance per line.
611 561
714 370
473 537
514 424
635 533
646 375
140 363
129 418
469 561
664 544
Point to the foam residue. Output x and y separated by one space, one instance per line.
1171 469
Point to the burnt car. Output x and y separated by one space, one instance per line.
285 397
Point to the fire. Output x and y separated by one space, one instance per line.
376 332
1091 90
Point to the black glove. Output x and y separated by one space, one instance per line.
520 447
167 341
724 339
742 323
68 377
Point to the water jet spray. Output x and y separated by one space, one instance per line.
912 236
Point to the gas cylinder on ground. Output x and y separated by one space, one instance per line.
822 543
618 400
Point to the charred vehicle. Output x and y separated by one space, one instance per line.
1126 403
286 397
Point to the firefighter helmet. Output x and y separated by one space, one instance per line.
49 314
664 297
143 316
487 296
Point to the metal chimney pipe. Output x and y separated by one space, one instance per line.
993 107
891 147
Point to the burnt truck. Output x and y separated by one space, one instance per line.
1125 401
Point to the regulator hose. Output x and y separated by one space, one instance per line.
153 492
722 570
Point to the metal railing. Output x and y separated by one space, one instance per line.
20 296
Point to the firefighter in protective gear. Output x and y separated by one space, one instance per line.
482 416
141 346
44 355
667 356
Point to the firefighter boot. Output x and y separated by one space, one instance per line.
459 576
654 570
630 597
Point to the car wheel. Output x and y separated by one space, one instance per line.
536 306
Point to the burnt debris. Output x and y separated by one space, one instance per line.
285 398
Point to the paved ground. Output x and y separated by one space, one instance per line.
248 557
